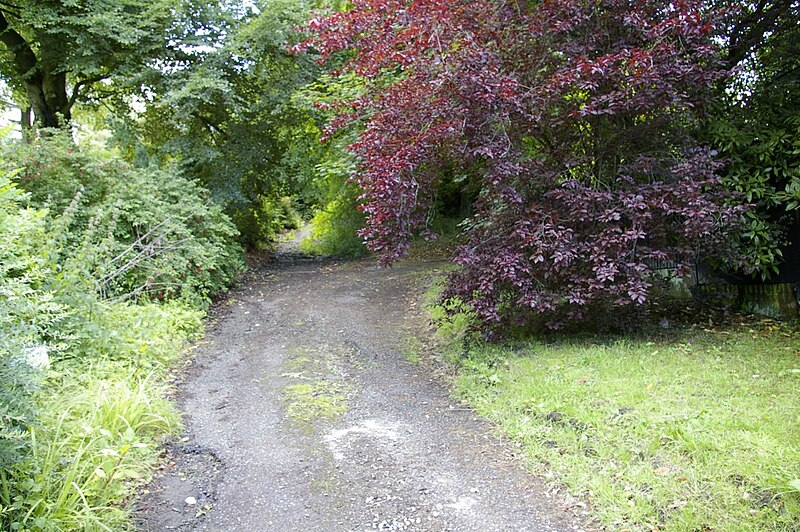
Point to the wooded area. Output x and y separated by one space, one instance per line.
568 146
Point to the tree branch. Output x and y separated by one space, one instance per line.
24 58
84 83
11 9
748 33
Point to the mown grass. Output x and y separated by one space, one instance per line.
698 430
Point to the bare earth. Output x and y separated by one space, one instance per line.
302 414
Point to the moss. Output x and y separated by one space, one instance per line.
310 402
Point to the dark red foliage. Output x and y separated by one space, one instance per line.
572 117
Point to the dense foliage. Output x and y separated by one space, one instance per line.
756 126
88 240
68 445
572 119
55 54
136 231
24 311
229 120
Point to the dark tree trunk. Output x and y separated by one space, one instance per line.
47 92
25 124
48 96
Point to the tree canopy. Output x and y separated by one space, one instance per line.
57 53
573 120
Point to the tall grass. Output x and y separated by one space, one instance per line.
98 430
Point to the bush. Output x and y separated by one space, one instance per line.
337 219
137 232
571 123
334 229
26 311
262 222
74 439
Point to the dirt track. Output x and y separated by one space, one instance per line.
303 414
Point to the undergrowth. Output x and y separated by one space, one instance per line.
98 426
84 357
334 230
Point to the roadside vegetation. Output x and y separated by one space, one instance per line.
127 202
95 310
570 152
688 428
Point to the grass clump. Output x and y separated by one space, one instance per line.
87 455
697 431
98 426
411 349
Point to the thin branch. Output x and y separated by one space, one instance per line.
82 84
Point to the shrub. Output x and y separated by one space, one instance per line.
26 312
135 232
573 121
335 226
74 439
261 222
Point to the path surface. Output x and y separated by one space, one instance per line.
268 446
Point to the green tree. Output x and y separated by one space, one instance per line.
230 118
58 52
756 126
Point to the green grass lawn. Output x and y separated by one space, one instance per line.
699 430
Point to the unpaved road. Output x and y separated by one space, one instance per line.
303 414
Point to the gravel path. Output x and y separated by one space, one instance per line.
303 414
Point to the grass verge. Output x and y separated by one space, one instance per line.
100 425
695 430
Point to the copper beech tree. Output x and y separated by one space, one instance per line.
573 121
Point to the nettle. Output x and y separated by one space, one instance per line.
572 119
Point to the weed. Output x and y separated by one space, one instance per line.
318 400
411 349
95 440
317 395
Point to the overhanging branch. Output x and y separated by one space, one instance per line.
83 84
25 60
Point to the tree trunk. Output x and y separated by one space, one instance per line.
47 92
48 96
25 124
